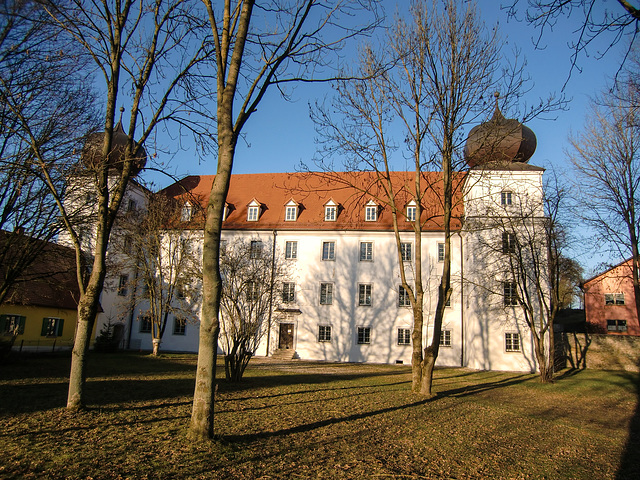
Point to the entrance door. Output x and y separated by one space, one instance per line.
286 336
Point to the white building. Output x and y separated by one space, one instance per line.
343 300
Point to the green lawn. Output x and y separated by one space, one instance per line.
316 420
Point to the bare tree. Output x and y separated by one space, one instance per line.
257 47
251 283
153 243
523 246
606 158
46 108
595 21
144 52
436 89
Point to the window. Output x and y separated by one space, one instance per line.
616 325
132 205
253 211
326 293
512 342
330 213
252 291
328 251
291 213
179 326
255 249
185 214
510 294
324 333
411 213
145 324
445 338
404 336
440 252
52 327
122 285
185 246
12 324
288 292
403 297
614 298
405 251
364 294
366 251
371 212
291 250
508 242
364 335
506 198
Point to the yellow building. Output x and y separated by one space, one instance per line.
41 307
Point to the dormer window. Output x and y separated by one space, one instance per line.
371 211
185 214
506 198
291 211
330 211
411 211
253 211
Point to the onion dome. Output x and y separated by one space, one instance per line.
92 151
499 140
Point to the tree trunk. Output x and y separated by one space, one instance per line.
203 398
417 370
156 346
429 364
87 311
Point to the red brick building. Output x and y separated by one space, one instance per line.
609 301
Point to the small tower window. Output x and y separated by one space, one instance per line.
411 211
330 211
253 211
291 211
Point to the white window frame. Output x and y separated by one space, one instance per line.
253 211
616 325
512 342
328 253
612 299
445 338
440 252
187 212
123 288
179 326
404 336
330 213
406 251
144 319
368 252
326 293
252 291
291 213
508 242
411 212
363 335
255 249
288 292
365 294
403 297
324 333
371 212
506 198
291 250
510 294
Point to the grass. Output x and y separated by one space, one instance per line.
316 420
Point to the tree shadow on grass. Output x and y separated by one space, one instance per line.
457 392
630 462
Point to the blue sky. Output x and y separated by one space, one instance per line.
280 135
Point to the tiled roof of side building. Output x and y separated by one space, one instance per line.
351 191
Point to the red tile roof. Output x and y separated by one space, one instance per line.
311 191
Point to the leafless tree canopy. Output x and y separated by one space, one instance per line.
613 22
46 109
606 158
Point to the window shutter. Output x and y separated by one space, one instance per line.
3 324
45 327
60 322
21 322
